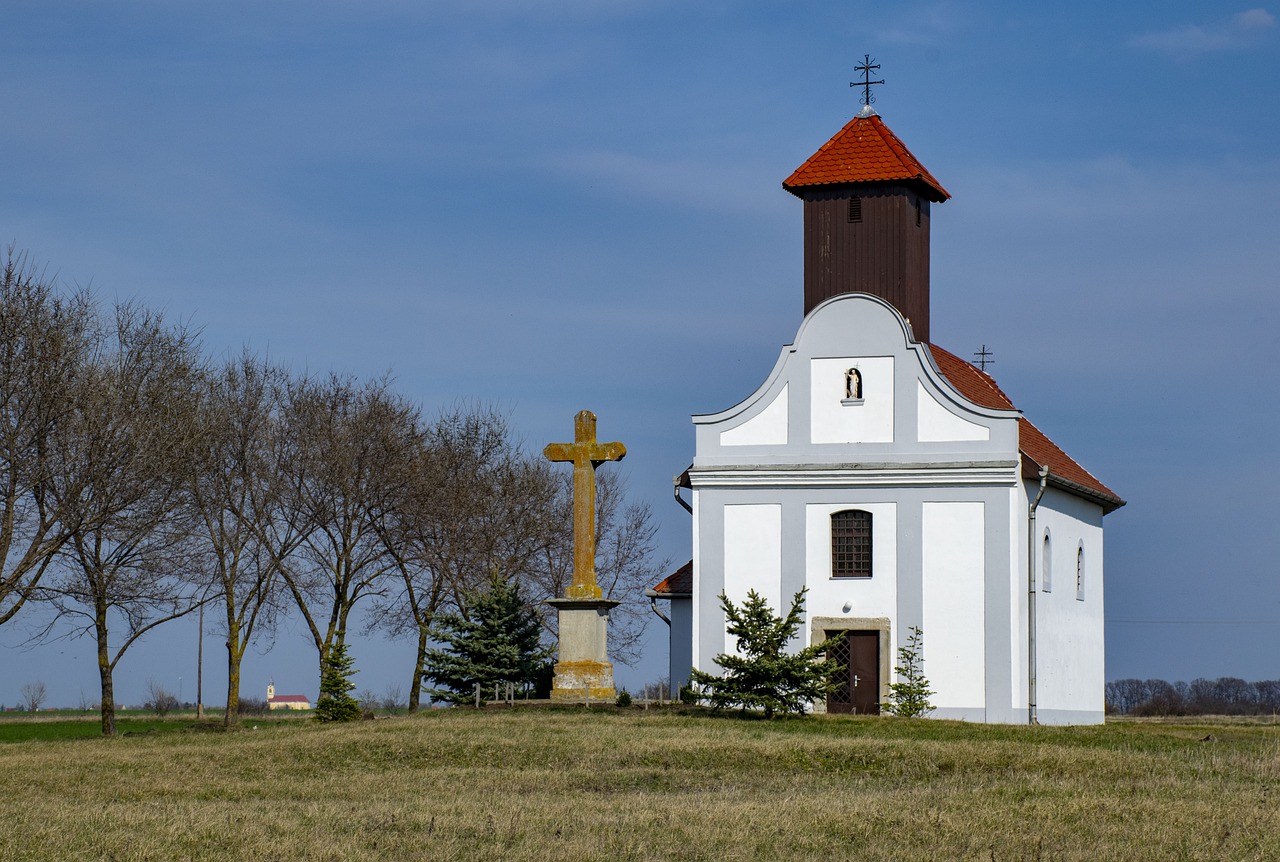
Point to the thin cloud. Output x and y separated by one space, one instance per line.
713 187
930 26
1237 32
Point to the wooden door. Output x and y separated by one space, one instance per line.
858 690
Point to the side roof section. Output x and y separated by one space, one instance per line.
1036 448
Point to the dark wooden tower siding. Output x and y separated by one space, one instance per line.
869 239
866 220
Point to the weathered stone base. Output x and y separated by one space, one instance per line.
575 680
584 667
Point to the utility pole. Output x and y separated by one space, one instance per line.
200 668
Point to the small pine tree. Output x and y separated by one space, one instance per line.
763 674
499 644
909 696
336 702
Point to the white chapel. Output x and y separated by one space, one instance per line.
894 480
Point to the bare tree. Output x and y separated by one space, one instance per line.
44 342
355 451
237 492
476 507
33 696
160 700
123 490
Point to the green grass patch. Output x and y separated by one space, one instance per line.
29 728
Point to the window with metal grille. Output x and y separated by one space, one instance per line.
851 544
855 209
1080 573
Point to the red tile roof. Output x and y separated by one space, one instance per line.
1037 449
677 584
863 151
978 386
290 698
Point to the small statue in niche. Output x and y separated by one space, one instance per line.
853 385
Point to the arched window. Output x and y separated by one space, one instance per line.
1080 573
851 544
1046 565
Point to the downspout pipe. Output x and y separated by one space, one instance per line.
653 597
653 603
1032 717
675 487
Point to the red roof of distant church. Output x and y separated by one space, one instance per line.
865 150
290 698
1037 449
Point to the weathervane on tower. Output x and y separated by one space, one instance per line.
866 82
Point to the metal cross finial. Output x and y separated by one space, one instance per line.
866 81
983 358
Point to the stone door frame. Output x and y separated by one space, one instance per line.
819 626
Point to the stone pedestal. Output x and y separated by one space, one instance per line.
584 667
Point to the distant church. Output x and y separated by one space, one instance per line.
895 480
285 701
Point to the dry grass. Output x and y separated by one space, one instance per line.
540 784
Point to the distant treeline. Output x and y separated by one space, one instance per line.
1225 695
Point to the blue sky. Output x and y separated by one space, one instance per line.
476 196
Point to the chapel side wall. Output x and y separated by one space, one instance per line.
1070 631
680 659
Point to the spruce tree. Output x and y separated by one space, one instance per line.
336 702
763 674
909 696
500 643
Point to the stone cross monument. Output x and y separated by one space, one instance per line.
584 668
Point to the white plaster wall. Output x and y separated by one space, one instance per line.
1070 643
834 422
752 555
766 428
700 588
936 424
1018 502
953 564
876 596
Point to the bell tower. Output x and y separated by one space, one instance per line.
866 217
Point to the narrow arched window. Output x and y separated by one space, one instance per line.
1046 565
1080 573
851 544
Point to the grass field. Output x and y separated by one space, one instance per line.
564 784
